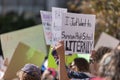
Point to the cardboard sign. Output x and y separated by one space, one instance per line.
78 32
23 55
106 41
57 24
47 24
32 36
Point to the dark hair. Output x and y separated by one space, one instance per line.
82 64
100 53
110 65
26 76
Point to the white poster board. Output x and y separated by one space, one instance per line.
106 41
47 24
78 32
32 36
57 24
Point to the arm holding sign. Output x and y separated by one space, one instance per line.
64 73
62 69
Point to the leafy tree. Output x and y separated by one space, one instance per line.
12 21
107 14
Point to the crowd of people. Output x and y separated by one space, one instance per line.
104 64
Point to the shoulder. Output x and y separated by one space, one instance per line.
78 75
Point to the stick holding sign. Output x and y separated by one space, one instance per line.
78 32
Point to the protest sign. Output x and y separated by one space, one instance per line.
47 24
32 36
69 58
78 32
23 55
57 24
51 60
86 56
1 62
106 41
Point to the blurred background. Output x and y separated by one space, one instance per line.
18 14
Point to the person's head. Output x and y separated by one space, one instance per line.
100 53
80 64
96 58
29 72
110 65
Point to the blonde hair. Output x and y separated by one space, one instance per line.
110 65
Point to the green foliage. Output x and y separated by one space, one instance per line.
13 21
107 13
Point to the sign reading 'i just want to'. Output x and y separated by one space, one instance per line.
78 32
